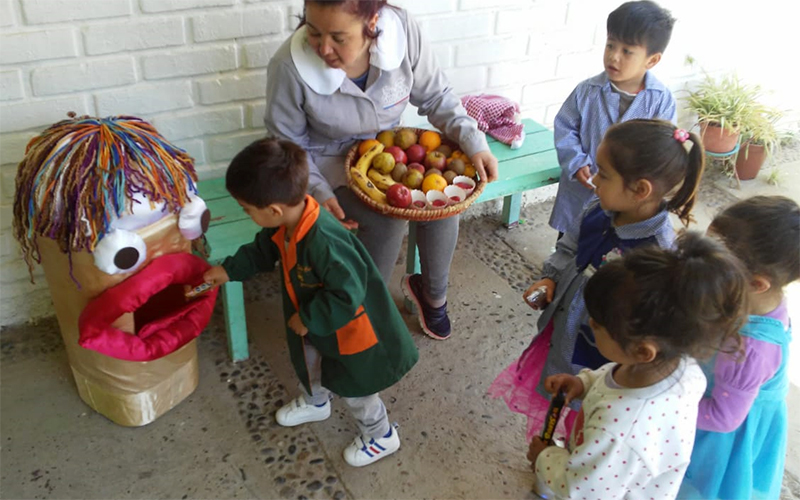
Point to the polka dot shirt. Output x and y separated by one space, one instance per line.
633 444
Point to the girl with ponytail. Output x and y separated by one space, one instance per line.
646 169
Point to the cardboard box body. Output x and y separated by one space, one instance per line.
128 393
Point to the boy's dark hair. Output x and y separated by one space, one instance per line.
268 171
764 233
690 301
641 23
648 149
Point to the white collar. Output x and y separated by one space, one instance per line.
620 91
386 53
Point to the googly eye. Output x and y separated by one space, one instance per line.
194 218
119 252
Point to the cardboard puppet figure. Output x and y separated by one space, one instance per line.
109 209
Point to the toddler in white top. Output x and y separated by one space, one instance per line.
650 311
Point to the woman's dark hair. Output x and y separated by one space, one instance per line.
364 9
689 301
641 23
764 233
268 171
648 149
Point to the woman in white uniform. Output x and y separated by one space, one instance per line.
347 73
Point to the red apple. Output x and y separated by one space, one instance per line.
416 166
398 196
399 154
416 153
435 159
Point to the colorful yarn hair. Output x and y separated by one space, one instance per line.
80 174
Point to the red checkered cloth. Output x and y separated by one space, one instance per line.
496 116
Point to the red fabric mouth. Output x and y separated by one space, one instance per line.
164 320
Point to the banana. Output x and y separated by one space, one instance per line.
365 161
381 181
363 182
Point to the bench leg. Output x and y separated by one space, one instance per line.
412 259
235 321
511 207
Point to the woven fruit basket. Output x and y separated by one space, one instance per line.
411 213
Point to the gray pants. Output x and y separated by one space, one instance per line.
383 237
369 411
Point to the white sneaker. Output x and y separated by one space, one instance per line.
365 450
297 412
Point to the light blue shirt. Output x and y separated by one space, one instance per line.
580 125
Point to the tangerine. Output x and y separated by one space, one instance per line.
434 182
430 139
470 171
366 145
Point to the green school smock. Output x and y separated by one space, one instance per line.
329 278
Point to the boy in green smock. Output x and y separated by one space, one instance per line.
344 331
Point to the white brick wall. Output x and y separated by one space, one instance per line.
237 24
68 78
23 47
196 69
11 85
152 33
195 61
55 11
6 13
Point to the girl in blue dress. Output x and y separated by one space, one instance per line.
647 169
740 443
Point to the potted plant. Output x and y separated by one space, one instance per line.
759 140
721 107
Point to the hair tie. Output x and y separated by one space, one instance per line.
680 135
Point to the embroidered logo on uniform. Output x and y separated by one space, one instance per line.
394 94
614 254
306 277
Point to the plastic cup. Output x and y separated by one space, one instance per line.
437 200
464 183
455 194
418 200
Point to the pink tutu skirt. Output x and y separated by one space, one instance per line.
517 386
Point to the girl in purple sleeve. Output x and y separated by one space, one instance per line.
742 419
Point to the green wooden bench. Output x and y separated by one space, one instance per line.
531 166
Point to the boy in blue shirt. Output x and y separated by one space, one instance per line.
637 34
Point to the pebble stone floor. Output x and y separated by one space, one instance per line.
223 442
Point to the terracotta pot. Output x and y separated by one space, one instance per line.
717 139
751 158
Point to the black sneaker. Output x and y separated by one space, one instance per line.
433 320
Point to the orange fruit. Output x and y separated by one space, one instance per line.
469 171
434 182
366 145
430 139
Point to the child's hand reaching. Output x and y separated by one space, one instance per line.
571 385
296 324
549 284
537 446
216 276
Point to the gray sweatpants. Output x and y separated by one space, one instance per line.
369 411
383 236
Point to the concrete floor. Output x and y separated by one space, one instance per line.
222 441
